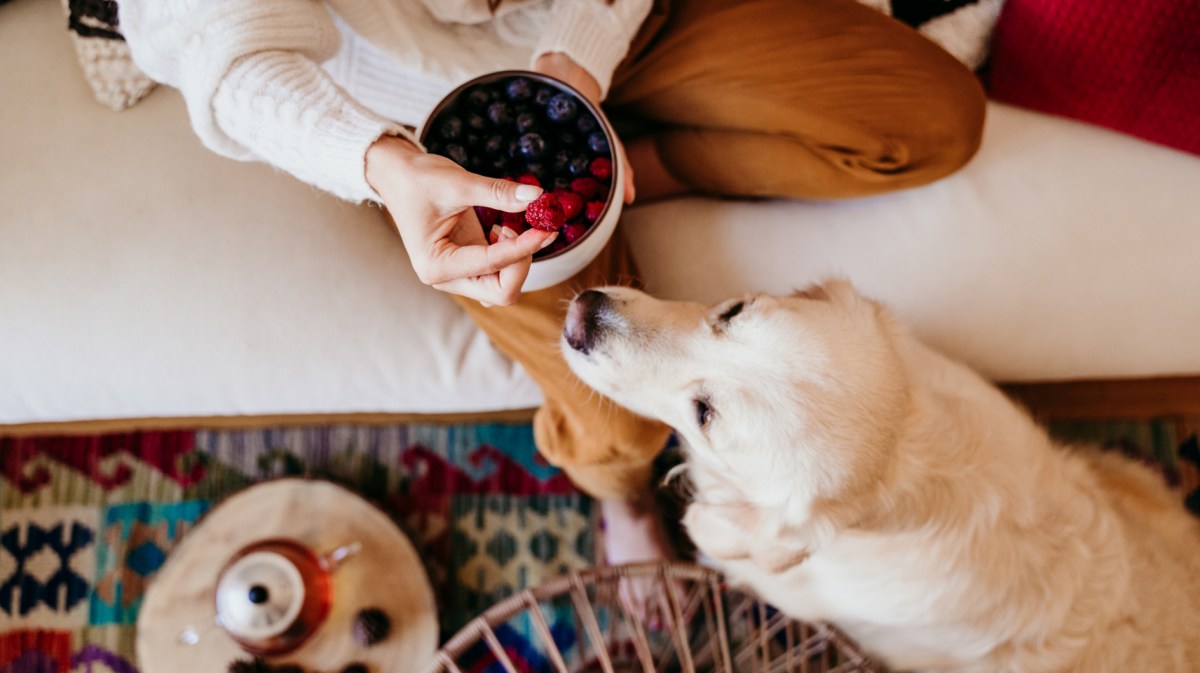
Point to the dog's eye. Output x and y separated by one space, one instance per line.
704 412
728 313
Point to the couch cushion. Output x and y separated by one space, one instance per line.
1061 251
143 276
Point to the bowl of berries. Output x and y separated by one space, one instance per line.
535 129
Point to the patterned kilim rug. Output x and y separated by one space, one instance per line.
85 522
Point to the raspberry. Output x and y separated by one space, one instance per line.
592 212
514 221
572 203
574 231
515 227
545 213
601 168
487 216
529 179
559 243
588 188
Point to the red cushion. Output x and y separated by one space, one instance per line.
1131 65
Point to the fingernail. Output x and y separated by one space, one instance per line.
527 193
548 241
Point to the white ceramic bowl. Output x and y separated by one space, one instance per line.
560 266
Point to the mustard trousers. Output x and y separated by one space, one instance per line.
810 99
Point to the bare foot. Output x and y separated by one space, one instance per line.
634 533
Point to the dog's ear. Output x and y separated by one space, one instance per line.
816 292
829 289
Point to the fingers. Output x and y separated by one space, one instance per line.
497 193
482 260
497 289
510 280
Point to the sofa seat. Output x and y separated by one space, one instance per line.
142 276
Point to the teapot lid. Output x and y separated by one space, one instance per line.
259 596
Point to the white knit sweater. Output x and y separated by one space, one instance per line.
308 86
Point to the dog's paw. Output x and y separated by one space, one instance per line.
734 532
778 558
718 530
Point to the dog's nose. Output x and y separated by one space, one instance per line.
583 325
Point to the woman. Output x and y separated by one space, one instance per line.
789 98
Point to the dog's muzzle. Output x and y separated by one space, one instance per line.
585 325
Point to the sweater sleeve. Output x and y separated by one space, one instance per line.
249 76
594 33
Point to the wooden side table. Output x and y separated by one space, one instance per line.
385 574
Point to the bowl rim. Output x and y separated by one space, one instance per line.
595 110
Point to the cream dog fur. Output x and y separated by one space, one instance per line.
848 473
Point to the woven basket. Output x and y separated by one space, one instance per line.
581 623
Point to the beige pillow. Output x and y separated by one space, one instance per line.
103 55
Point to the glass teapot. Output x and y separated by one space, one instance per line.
273 595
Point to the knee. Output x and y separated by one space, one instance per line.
955 117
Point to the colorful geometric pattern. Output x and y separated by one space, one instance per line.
47 560
86 522
135 540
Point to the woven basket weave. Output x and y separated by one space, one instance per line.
581 623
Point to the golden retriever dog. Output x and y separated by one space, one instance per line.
848 473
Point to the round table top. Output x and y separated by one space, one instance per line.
385 574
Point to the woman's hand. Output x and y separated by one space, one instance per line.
561 66
430 200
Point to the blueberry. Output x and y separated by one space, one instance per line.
497 167
519 89
531 146
493 146
562 161
562 108
513 150
451 128
526 121
478 99
537 169
567 139
543 95
499 114
579 167
457 154
476 164
598 143
562 183
473 140
586 124
476 122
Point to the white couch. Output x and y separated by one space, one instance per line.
142 276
